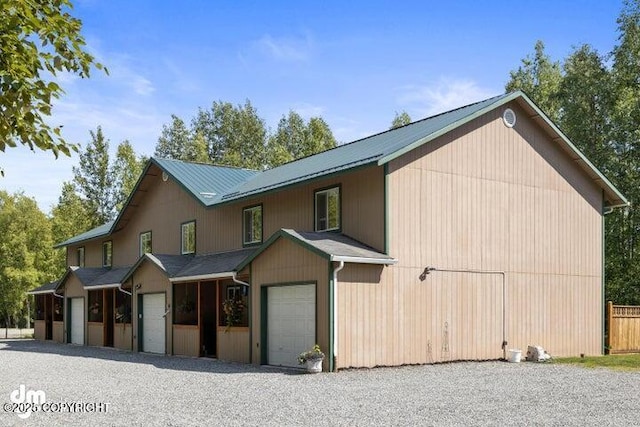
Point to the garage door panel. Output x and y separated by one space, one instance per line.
77 321
291 322
153 323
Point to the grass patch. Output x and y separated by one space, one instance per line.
619 362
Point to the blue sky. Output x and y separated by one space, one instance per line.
353 63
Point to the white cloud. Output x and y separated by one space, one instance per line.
445 95
287 49
306 110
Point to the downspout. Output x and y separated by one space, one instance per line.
240 282
335 315
428 270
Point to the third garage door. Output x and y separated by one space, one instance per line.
291 323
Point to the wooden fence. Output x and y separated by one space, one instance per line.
624 328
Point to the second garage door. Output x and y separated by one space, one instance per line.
291 323
153 323
77 321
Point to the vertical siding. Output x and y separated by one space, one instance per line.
58 332
166 205
286 262
151 280
122 336
95 334
233 345
487 197
39 329
186 340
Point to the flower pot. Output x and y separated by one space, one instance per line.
314 366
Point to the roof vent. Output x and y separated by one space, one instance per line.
165 176
509 118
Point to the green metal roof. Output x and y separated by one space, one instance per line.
100 231
207 183
213 185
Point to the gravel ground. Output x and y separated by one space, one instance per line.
144 389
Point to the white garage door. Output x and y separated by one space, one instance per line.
77 321
153 323
291 323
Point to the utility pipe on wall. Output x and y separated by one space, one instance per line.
335 314
428 270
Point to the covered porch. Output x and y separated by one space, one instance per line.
48 313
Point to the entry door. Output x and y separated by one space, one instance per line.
77 321
153 323
291 323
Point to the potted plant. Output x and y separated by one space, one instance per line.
233 311
312 359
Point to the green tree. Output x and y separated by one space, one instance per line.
125 172
623 226
38 39
539 77
401 119
234 135
94 179
26 255
294 138
174 140
68 218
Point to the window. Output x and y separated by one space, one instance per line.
234 301
81 256
188 237
185 303
145 243
107 253
252 225
95 305
328 209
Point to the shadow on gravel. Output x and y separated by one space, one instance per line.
160 361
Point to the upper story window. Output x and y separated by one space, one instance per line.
80 255
145 243
252 225
107 253
327 206
188 232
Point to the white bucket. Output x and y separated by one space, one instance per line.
515 355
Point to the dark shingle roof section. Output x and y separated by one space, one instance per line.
47 288
338 245
203 265
207 183
331 246
99 277
172 264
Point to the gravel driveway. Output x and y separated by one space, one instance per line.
143 389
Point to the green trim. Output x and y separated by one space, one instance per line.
258 243
140 253
195 237
386 208
264 325
332 308
103 257
140 319
602 277
315 212
250 308
67 312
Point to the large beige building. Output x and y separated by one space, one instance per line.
456 237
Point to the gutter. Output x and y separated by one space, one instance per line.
207 277
363 260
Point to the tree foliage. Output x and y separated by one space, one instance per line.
295 138
235 135
94 181
26 255
400 119
38 40
125 172
598 107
